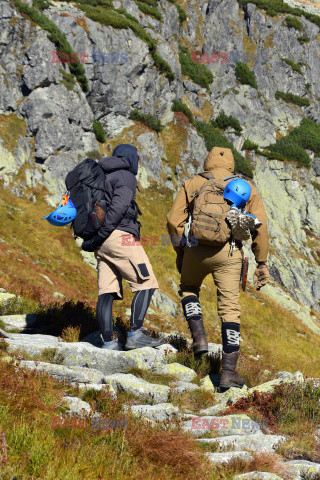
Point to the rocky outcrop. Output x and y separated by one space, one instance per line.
235 436
58 115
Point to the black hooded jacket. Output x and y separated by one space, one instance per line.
120 191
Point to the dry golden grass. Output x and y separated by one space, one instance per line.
291 410
11 127
194 400
32 446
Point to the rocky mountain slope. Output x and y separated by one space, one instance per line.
130 59
152 387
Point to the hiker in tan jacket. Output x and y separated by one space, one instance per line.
196 262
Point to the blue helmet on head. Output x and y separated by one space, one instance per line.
237 191
63 215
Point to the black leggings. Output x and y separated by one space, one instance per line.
139 307
104 315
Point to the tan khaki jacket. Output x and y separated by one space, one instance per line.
220 163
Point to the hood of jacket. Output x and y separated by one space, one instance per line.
130 153
112 164
220 162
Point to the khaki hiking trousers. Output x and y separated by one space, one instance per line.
200 261
121 256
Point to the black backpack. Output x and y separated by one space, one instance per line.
85 184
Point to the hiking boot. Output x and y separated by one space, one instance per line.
141 338
199 337
229 376
113 345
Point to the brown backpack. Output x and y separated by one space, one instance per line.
209 212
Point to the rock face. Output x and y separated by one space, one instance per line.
252 442
37 90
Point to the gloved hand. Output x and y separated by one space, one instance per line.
93 244
261 276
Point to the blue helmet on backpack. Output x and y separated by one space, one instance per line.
63 215
237 191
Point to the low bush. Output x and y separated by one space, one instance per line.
198 73
152 3
273 7
293 22
291 410
147 119
124 12
307 135
178 106
245 76
292 98
213 138
58 38
293 65
293 146
181 11
289 150
153 11
99 131
303 39
224 121
248 145
41 4
316 185
68 80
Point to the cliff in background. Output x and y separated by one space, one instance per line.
49 111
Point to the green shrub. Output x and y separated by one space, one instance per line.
149 120
293 146
245 76
248 145
99 131
213 138
307 135
124 12
115 20
41 4
162 66
196 71
152 3
181 11
316 185
178 106
224 121
303 39
95 3
293 65
271 13
290 150
293 22
153 11
291 98
279 6
69 79
58 38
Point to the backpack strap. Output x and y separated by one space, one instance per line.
207 175
231 177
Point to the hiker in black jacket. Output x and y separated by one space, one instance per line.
119 252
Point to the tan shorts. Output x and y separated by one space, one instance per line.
121 256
